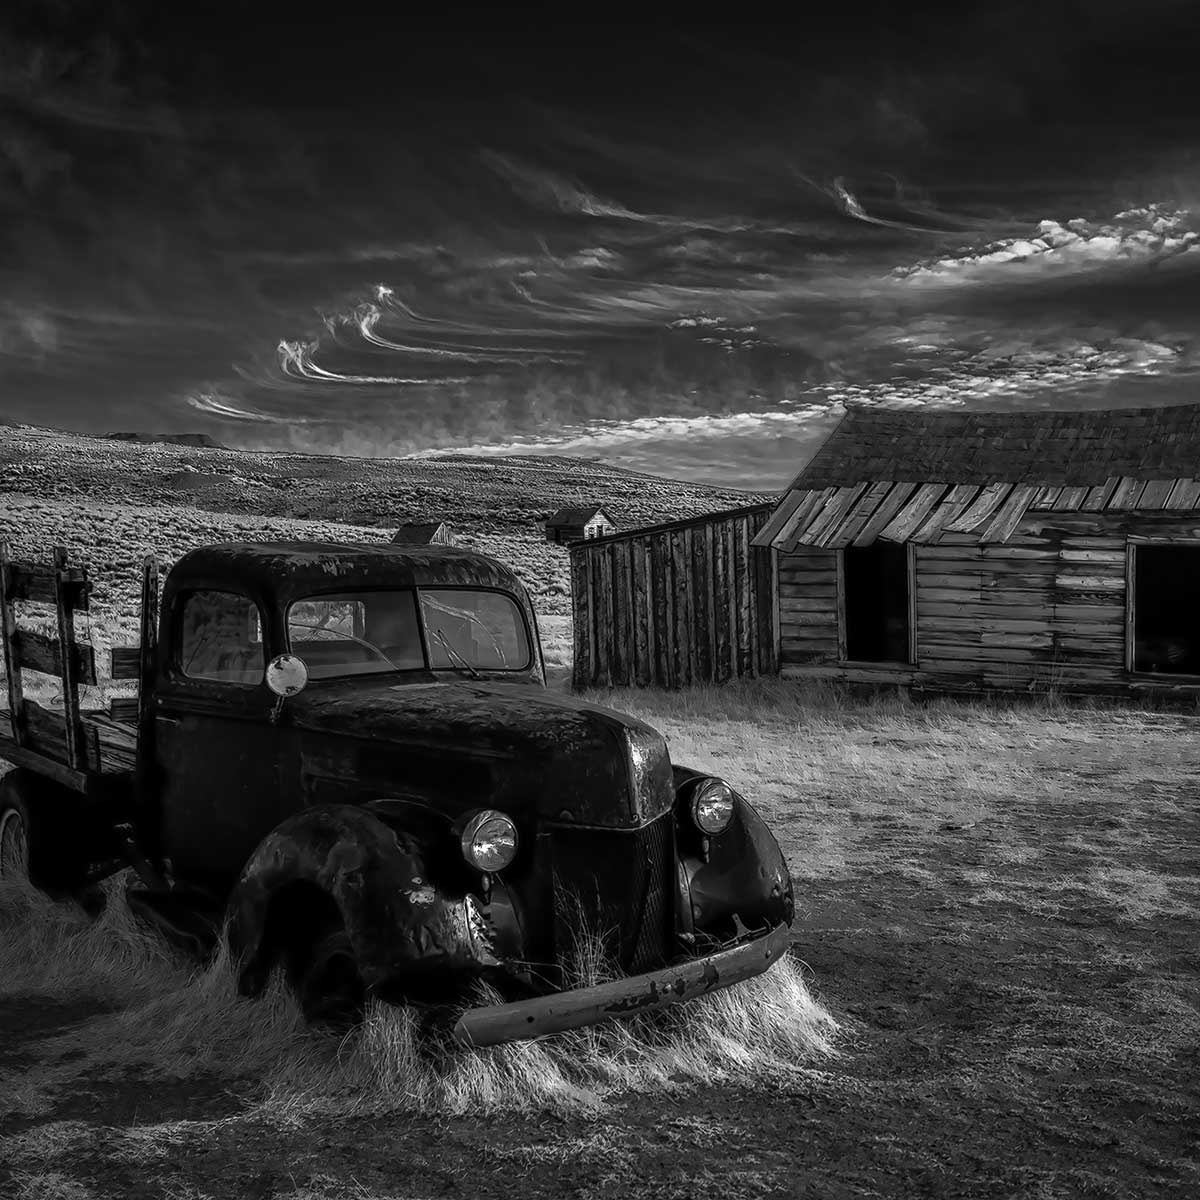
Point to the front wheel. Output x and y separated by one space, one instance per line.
325 977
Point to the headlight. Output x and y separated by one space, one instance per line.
712 806
489 841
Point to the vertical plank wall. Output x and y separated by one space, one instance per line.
690 602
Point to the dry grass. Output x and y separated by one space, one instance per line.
167 1021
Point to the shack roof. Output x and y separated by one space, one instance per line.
1081 447
918 475
417 531
578 516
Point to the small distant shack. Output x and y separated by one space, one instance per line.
579 525
425 533
942 550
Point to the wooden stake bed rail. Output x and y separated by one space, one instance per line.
72 746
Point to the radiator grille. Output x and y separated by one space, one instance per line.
620 884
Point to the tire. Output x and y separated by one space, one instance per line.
38 841
325 977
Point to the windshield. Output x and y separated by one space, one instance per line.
363 633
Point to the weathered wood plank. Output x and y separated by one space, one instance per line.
952 506
125 661
581 640
1184 495
1115 556
35 582
749 608
69 662
1098 497
662 610
602 599
919 507
899 675
1008 516
1155 493
1069 499
1127 493
784 511
786 536
855 520
891 504
701 589
682 648
8 634
827 516
980 509
789 620
37 652
722 616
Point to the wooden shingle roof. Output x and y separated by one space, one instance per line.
576 516
910 476
1077 448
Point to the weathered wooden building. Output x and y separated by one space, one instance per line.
674 604
425 533
579 524
970 551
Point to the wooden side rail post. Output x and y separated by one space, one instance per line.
149 633
65 612
8 632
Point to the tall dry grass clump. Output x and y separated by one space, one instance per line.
166 1019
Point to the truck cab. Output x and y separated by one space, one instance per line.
347 760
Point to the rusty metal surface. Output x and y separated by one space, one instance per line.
289 570
470 743
408 930
621 997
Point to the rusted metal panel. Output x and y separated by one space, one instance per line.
621 997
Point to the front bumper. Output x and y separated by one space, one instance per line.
621 997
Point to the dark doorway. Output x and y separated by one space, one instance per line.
1166 606
876 583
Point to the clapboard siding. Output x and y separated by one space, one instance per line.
808 621
690 602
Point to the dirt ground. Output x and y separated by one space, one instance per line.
1015 966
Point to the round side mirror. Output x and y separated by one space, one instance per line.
287 675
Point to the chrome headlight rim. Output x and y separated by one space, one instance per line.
712 806
471 842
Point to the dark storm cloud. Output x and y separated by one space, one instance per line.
198 204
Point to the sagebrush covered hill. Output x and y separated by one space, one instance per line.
112 501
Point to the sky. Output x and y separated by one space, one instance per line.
676 247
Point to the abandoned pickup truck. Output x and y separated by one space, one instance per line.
345 757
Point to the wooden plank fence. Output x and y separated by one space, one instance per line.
671 605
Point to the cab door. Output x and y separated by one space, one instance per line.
216 748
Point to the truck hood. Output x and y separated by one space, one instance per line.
471 743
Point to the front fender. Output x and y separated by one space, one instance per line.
400 925
738 873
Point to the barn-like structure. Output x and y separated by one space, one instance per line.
579 524
948 550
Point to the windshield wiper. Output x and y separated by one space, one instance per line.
453 654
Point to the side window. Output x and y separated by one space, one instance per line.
220 637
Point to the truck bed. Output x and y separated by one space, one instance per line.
110 748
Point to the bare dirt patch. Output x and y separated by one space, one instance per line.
999 906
